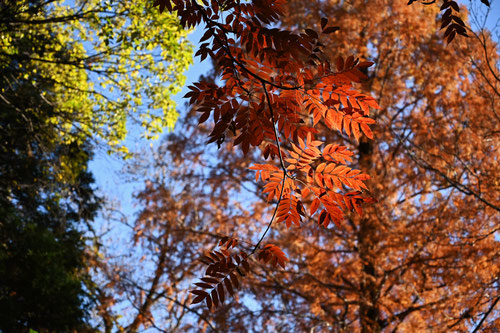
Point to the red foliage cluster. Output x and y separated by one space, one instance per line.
276 86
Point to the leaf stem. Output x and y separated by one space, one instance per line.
285 174
272 217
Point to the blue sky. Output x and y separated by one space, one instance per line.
108 169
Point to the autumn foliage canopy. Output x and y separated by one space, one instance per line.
277 85
405 197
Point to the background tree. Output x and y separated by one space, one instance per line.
424 258
72 74
427 250
46 200
103 69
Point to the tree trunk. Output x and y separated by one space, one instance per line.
369 312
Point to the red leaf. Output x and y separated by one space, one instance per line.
314 206
366 129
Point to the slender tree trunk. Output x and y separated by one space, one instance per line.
369 312
141 316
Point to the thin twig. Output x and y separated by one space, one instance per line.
486 315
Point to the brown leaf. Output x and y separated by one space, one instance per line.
209 280
245 265
331 30
234 280
198 299
203 285
324 22
220 289
209 302
215 298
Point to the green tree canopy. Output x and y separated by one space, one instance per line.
45 195
70 72
107 61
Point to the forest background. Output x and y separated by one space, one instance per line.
430 265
